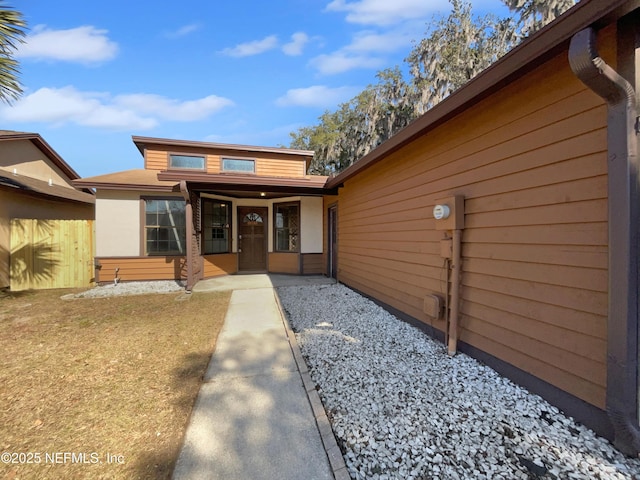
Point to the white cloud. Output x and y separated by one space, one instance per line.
316 96
252 48
171 109
86 44
372 42
60 106
183 31
340 62
385 12
295 47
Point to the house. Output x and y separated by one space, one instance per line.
198 210
516 199
503 221
35 183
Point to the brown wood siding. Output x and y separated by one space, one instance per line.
223 264
312 264
155 160
213 164
284 263
531 164
271 167
142 268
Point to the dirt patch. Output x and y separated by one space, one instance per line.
101 388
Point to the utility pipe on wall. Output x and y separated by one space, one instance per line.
623 218
452 344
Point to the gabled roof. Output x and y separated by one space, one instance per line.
540 47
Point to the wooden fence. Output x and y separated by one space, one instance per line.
51 254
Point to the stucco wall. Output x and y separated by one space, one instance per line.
28 160
311 225
118 217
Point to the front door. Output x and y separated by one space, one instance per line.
252 238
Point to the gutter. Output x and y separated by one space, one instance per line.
622 325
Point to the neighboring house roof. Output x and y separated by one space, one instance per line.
40 143
540 47
248 150
41 188
138 179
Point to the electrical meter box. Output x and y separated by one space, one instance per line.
449 213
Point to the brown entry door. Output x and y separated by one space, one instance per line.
252 238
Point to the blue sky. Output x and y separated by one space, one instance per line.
248 72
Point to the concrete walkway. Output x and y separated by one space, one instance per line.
257 415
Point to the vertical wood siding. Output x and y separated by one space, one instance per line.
531 164
51 254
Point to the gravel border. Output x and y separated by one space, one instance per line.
129 288
401 408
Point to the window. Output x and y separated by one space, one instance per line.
165 227
238 165
216 221
287 221
190 162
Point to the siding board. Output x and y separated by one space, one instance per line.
142 268
531 163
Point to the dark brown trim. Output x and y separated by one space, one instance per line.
236 172
534 51
274 228
589 415
127 186
230 211
183 169
143 224
142 143
250 182
623 198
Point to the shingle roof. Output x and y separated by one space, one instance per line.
31 185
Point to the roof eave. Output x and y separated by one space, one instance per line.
125 186
541 46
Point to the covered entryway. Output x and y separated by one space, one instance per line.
252 239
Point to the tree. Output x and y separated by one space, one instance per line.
535 14
456 50
359 125
12 32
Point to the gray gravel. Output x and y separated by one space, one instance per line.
129 288
401 408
